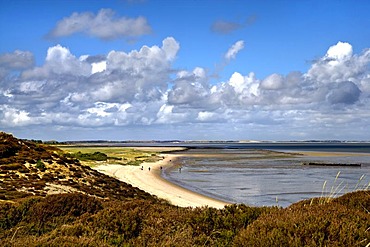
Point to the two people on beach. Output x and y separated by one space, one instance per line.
142 168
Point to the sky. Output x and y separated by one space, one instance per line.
185 70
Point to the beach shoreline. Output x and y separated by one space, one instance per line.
154 182
148 177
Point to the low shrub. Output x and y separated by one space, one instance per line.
76 219
96 156
40 165
339 222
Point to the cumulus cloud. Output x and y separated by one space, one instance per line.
342 51
272 82
105 25
117 89
339 64
59 61
189 87
142 88
167 115
138 75
16 117
98 67
242 83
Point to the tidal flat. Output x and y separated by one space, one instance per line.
269 178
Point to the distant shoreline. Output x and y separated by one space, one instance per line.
306 147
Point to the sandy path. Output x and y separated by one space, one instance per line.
152 182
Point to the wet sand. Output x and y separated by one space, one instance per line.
330 154
152 182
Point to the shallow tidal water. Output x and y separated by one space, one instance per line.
265 178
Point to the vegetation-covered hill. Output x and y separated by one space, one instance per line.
101 211
28 168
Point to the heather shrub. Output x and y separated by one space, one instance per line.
13 213
310 223
55 210
80 220
118 223
73 204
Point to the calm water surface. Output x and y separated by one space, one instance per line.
257 177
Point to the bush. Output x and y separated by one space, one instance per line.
340 222
56 210
76 219
11 214
40 165
96 156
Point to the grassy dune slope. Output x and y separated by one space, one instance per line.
30 169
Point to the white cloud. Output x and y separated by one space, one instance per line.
67 90
167 115
105 25
244 84
170 47
136 76
14 117
190 88
273 82
142 88
340 52
59 61
206 116
339 64
98 67
237 81
234 50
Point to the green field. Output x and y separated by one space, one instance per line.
115 155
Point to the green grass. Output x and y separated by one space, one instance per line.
93 156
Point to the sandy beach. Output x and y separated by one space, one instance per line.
152 182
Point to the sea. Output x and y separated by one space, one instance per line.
270 174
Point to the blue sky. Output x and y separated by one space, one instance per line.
189 70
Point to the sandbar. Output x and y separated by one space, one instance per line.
328 153
152 182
